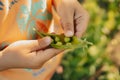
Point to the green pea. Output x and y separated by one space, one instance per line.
67 39
59 43
69 44
75 40
57 39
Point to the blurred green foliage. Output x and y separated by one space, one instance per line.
93 63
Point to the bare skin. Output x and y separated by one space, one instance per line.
27 54
74 20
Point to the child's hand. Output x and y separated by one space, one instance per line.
74 18
27 54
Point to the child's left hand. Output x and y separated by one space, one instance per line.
74 18
27 54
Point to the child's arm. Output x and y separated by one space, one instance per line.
27 54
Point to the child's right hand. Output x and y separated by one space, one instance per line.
27 54
73 17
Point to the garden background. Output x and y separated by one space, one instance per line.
101 60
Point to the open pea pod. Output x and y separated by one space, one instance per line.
62 42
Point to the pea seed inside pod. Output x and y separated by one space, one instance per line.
59 43
67 39
57 39
75 40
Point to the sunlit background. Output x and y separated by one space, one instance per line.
100 61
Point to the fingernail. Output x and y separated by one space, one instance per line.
69 33
48 39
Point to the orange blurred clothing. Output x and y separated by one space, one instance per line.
17 19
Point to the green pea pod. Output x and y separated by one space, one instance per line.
62 42
61 46
43 34
39 33
50 34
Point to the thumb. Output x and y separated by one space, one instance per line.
66 14
40 43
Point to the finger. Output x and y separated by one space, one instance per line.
38 58
81 20
66 14
40 43
47 54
